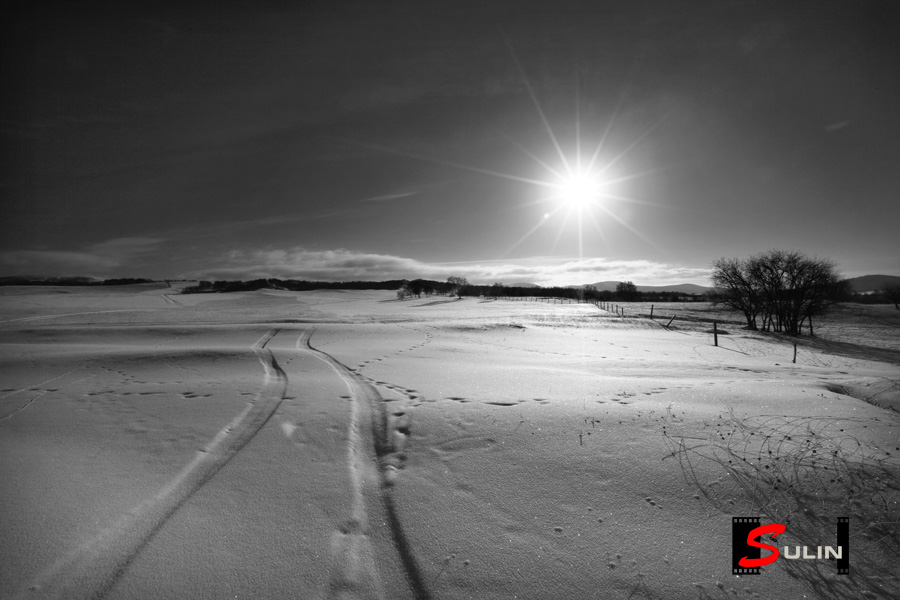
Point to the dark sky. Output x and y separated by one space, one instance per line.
376 140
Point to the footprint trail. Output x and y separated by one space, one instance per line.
374 455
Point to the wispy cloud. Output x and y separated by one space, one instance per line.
227 228
347 265
388 197
96 260
320 265
127 248
402 193
54 263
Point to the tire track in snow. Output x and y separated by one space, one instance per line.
353 573
91 570
169 299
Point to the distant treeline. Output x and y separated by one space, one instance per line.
427 287
626 292
879 297
81 281
582 294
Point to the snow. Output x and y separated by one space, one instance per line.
344 444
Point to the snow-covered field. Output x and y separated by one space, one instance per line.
340 444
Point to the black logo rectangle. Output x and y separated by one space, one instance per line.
742 546
740 529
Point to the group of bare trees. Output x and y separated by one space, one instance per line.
783 290
626 291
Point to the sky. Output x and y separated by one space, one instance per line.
557 143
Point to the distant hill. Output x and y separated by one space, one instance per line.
872 283
681 288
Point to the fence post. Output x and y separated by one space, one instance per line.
651 311
715 334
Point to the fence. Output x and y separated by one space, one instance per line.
619 311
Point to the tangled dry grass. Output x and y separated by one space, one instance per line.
804 473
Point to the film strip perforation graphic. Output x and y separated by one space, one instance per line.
843 542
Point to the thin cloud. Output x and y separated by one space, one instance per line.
349 265
96 260
405 192
216 229
300 263
388 197
51 263
127 248
230 227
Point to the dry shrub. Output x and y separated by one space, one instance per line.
804 472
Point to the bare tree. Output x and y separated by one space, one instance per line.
457 285
787 288
797 288
734 288
893 294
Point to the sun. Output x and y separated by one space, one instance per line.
583 179
579 190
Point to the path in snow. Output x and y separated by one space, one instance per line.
379 439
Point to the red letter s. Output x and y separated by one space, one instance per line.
774 529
